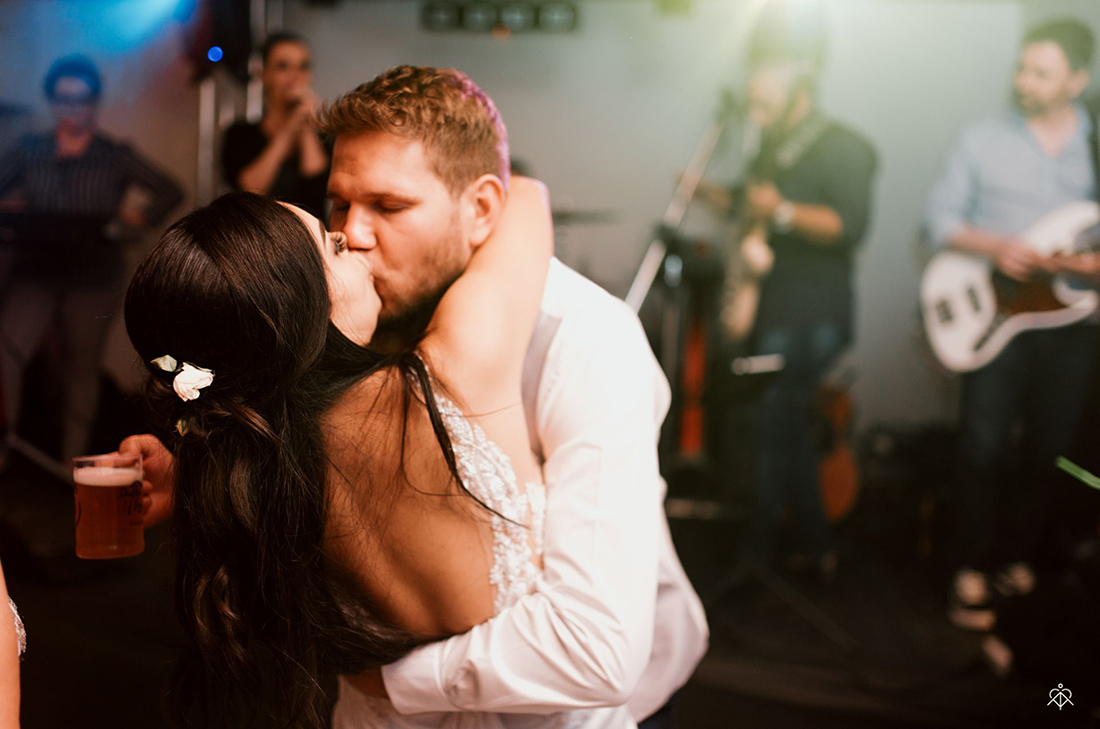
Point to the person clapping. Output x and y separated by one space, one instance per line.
283 155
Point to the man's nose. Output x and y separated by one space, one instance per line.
359 231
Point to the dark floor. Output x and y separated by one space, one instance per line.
871 649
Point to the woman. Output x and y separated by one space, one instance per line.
334 507
282 155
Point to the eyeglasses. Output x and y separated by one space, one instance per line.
72 102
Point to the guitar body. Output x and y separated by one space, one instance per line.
838 472
971 311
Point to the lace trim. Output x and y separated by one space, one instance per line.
487 472
20 632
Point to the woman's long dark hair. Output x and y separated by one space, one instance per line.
238 287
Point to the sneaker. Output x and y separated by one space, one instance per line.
969 605
1015 579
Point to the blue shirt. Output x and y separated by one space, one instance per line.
999 179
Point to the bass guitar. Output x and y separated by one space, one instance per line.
971 311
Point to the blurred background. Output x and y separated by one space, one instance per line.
607 108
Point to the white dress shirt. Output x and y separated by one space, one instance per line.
613 619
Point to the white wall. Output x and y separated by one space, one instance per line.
608 114
909 75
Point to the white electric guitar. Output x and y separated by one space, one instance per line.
971 311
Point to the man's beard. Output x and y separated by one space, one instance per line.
1030 107
408 325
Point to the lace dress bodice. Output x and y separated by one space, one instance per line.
487 473
20 633
517 525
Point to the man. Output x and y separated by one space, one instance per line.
71 272
809 188
1005 173
613 619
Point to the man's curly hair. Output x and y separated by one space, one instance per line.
458 124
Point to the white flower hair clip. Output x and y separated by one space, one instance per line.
189 379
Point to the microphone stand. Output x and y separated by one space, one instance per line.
677 207
663 248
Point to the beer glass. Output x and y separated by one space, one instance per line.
109 522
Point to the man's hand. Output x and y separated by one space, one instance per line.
1018 261
1081 265
158 488
762 199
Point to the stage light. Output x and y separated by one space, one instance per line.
501 18
119 25
557 17
441 16
479 16
518 17
219 33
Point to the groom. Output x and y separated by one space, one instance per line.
613 619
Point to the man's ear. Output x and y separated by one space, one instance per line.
1078 83
482 203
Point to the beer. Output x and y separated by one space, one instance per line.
109 522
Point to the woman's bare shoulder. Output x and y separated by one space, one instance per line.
381 432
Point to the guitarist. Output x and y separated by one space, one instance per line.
1005 173
810 189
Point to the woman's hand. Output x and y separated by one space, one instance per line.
159 486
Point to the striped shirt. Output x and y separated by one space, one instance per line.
93 184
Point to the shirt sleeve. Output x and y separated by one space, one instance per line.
166 194
583 638
851 170
952 197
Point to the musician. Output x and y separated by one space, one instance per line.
1004 174
282 155
810 188
71 280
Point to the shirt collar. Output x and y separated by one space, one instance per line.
1084 119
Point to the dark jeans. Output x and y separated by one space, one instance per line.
83 313
1041 379
787 452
